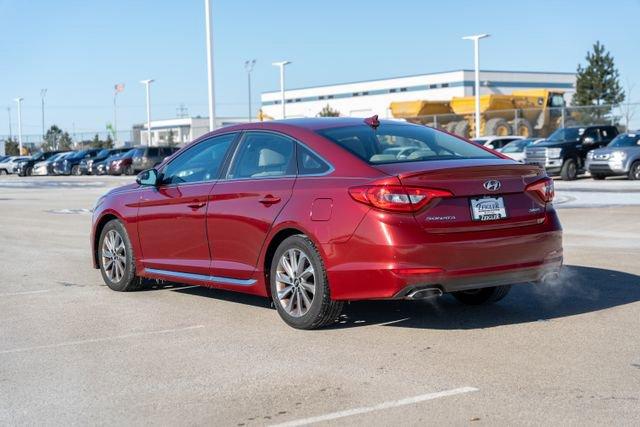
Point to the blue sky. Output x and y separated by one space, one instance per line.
79 49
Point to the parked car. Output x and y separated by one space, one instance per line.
148 157
564 153
86 165
25 167
71 165
122 164
620 157
313 213
515 149
496 142
102 167
9 164
45 167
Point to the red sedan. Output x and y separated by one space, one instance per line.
316 212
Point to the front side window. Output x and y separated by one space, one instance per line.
263 155
626 140
395 143
202 162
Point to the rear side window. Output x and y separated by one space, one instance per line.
309 163
152 152
263 155
396 143
201 162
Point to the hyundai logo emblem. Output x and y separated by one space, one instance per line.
492 185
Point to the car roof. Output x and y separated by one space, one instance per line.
308 123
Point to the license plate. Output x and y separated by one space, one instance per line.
488 209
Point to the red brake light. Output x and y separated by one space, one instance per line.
396 197
544 189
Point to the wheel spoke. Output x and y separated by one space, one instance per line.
293 261
302 259
284 278
305 298
307 272
311 288
287 266
284 292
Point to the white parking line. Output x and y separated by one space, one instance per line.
379 407
11 294
95 340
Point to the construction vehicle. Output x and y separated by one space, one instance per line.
532 112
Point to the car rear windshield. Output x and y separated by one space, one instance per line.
396 143
566 134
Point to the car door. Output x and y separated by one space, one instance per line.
172 215
244 205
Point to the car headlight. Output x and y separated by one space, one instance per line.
590 155
554 153
618 155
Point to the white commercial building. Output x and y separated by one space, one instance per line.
365 98
179 131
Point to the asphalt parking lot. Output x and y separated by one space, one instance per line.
73 352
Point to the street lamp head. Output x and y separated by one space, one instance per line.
476 37
19 99
280 63
248 65
146 82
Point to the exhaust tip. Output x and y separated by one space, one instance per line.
424 293
550 277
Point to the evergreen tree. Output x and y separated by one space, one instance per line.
598 84
327 111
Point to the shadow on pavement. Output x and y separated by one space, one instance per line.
579 290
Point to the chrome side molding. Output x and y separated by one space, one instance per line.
202 277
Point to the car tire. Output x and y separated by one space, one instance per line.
75 170
462 129
483 295
28 172
634 171
569 170
116 258
299 285
598 176
3 172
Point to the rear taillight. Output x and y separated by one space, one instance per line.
396 198
543 189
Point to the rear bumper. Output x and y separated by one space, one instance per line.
387 265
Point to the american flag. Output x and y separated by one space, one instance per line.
119 87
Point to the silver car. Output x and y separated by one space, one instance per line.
8 165
620 157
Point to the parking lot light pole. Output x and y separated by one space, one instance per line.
19 101
282 64
476 59
147 84
212 104
248 66
43 93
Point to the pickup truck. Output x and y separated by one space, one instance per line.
564 153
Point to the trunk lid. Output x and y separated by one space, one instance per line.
466 179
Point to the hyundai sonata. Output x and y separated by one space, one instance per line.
316 212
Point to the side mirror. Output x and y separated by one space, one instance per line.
588 141
148 177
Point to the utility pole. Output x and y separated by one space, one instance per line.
476 59
147 84
248 66
19 101
9 113
282 64
43 93
212 104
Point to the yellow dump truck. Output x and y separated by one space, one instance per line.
533 112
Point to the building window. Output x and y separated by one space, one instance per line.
289 100
330 97
365 93
355 94
298 99
433 86
321 97
392 90
403 89
444 85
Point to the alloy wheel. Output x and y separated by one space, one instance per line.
114 254
295 282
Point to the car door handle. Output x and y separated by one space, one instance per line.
197 205
269 200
